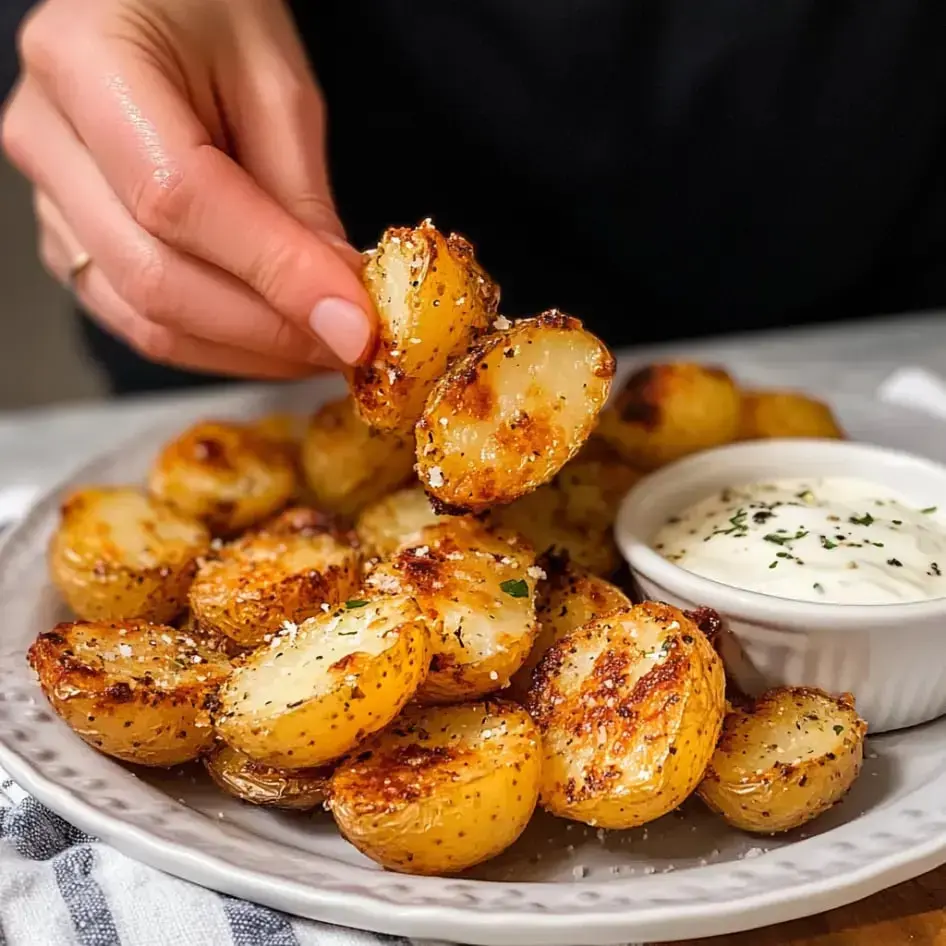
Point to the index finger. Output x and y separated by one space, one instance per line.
161 162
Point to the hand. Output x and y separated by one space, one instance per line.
180 144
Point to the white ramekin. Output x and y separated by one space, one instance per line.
892 657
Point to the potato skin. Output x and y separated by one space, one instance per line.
136 691
348 464
118 554
566 598
251 587
395 520
238 775
575 512
506 417
773 414
480 634
784 759
319 689
629 707
667 411
433 300
225 474
441 789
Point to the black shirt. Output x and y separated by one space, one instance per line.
659 168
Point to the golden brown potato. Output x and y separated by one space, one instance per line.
441 789
348 464
630 707
250 588
476 588
225 474
771 414
433 300
140 692
566 598
284 428
238 775
398 518
784 760
665 412
118 554
575 513
318 689
505 418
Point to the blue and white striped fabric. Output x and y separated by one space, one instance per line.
60 887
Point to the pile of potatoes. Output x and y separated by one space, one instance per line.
405 611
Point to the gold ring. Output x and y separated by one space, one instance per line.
79 265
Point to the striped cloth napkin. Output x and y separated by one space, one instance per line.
60 887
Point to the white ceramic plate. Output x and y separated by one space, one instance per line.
684 876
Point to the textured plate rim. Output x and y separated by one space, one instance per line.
430 920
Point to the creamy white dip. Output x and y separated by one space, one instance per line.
833 539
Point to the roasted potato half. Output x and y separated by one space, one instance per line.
239 775
137 691
476 588
784 760
441 789
398 518
433 300
318 689
773 414
119 554
250 588
630 707
567 597
225 474
506 417
667 411
348 464
575 513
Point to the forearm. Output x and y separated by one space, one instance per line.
11 13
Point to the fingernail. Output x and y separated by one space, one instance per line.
342 327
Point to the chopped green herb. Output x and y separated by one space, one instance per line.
865 520
806 496
773 565
895 562
347 633
818 587
515 587
929 509
838 730
828 544
353 603
784 539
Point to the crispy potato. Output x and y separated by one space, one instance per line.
284 428
771 414
397 519
784 760
320 688
566 598
476 588
665 412
225 474
441 789
348 464
575 513
433 300
630 707
250 588
506 417
140 692
119 554
238 775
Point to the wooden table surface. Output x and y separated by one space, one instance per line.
912 913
